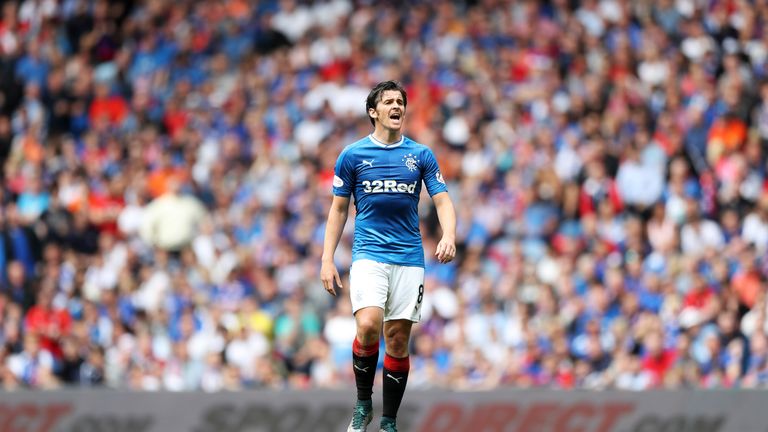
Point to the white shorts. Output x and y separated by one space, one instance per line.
399 290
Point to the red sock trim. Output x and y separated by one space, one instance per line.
364 351
397 364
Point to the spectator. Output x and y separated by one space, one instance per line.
169 222
699 234
755 230
32 366
747 282
48 322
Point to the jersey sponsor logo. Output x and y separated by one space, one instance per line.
384 186
411 162
367 162
439 177
337 181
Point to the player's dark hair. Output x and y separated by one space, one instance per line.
375 95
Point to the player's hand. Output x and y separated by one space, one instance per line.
446 250
329 274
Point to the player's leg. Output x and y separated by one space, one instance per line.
365 349
368 285
397 335
402 310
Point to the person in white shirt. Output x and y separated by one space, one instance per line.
640 185
755 228
171 221
699 234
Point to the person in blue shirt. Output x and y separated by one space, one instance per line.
384 171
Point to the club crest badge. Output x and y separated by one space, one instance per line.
411 162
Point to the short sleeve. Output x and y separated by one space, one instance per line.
433 178
343 175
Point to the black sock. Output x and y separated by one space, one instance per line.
395 380
364 360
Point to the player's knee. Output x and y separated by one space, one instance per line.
367 331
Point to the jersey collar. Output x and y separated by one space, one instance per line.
389 146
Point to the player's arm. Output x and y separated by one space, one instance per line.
446 248
337 218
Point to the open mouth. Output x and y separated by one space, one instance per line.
395 116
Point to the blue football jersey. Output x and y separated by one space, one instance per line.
385 181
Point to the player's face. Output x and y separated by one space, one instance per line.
390 111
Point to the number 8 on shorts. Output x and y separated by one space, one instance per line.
371 283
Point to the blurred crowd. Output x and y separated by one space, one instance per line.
167 173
